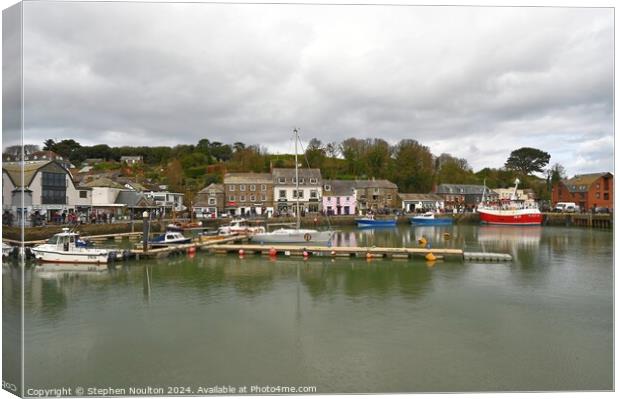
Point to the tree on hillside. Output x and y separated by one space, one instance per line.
30 148
68 149
527 160
378 158
315 153
413 167
556 173
174 175
454 170
48 145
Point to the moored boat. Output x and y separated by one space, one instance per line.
240 226
169 238
513 213
7 250
66 247
429 219
295 235
371 221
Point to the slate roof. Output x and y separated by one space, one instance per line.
247 178
582 183
133 198
419 197
289 174
213 186
102 182
378 183
339 188
463 189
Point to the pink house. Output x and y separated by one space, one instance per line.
339 197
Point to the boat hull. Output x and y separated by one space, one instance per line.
516 218
375 223
430 222
169 243
90 257
298 237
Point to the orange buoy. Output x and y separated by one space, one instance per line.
333 253
430 257
273 252
306 254
368 255
241 252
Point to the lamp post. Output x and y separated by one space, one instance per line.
145 230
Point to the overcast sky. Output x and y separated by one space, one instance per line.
475 82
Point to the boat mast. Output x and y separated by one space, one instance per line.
297 181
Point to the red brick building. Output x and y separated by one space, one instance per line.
588 191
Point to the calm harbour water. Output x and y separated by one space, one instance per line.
541 322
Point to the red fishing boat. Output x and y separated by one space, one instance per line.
512 213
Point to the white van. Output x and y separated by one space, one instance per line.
569 207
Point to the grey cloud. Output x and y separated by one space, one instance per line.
476 82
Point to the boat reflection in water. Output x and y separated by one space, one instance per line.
510 239
71 268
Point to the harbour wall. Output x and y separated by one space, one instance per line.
602 221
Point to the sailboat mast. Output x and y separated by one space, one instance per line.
297 182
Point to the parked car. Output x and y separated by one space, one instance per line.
569 207
600 209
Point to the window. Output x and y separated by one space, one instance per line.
328 187
598 186
606 196
242 198
241 187
281 180
263 187
312 180
314 194
231 187
83 194
263 197
347 198
282 194
54 188
252 187
231 198
212 201
296 193
389 196
376 191
598 195
301 181
252 198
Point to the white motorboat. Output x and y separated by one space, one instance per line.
240 226
296 235
66 247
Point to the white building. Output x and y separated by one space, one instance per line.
168 201
47 190
286 195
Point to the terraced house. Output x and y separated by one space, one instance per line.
464 195
374 195
589 191
287 195
248 194
209 202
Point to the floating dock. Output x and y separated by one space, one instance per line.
360 252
